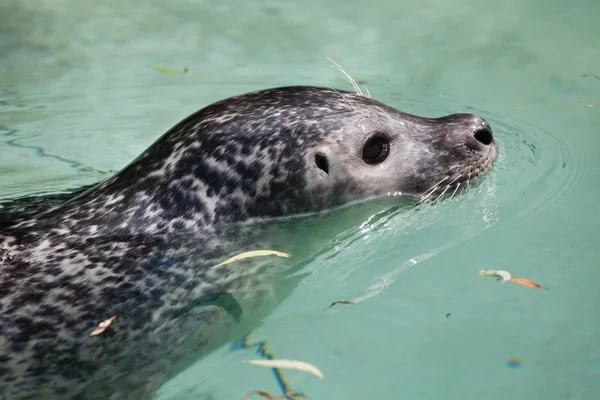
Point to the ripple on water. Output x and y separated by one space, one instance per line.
535 169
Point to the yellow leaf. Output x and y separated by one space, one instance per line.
255 253
102 326
502 275
168 71
288 364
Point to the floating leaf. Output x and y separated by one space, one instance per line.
340 302
504 276
526 282
255 253
102 326
288 364
594 75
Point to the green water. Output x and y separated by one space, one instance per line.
78 101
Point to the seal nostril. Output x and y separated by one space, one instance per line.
484 134
321 162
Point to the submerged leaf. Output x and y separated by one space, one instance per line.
102 326
270 396
288 364
255 253
340 302
168 71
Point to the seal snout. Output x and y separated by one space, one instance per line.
483 132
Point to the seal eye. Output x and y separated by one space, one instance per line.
321 162
376 150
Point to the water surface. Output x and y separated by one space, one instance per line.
78 101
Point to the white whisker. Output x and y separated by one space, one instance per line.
455 179
435 187
367 90
431 190
441 194
457 186
332 88
423 197
426 197
352 81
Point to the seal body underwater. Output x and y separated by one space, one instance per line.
140 246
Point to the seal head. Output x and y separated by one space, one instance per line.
282 152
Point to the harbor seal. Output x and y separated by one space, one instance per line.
227 179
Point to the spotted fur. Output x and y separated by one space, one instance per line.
139 245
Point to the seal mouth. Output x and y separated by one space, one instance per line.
451 183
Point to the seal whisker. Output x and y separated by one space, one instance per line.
468 180
367 90
436 187
352 81
455 179
441 194
455 189
334 89
423 198
431 190
350 101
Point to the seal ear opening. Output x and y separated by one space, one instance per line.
322 163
